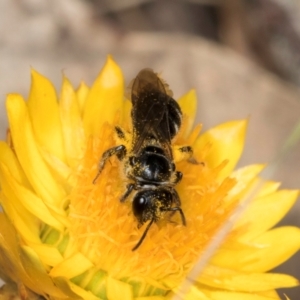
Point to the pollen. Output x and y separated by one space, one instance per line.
65 234
106 230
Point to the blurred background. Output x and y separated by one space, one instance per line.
241 56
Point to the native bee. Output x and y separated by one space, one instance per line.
148 160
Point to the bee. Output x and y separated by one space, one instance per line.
149 160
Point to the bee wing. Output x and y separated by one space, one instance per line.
150 123
155 114
147 80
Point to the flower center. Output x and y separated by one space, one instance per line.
106 230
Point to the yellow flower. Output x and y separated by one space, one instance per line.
63 237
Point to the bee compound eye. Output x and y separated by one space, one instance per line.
132 160
139 205
173 167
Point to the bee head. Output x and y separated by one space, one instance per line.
151 204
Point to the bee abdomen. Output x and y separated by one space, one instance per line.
174 117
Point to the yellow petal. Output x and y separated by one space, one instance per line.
227 279
227 142
255 218
60 170
94 280
268 187
193 294
8 158
188 104
25 223
245 177
49 255
194 134
235 256
23 193
73 290
118 290
28 153
37 272
25 199
271 294
81 93
43 110
277 245
71 123
16 272
151 298
9 253
198 292
105 98
71 266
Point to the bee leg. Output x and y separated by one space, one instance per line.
120 151
178 177
177 208
175 197
186 152
120 133
143 236
174 209
130 188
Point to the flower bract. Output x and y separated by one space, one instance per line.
64 237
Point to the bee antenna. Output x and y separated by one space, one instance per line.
97 176
143 236
181 213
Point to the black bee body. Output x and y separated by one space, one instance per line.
148 163
150 167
